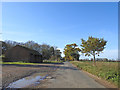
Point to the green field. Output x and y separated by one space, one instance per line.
105 70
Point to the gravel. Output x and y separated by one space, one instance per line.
11 73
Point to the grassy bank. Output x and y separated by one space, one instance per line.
105 70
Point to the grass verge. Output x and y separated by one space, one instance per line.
23 63
106 70
52 61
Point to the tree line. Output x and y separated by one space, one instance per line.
93 46
48 52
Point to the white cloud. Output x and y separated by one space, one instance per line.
61 49
110 54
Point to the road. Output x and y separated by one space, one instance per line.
68 76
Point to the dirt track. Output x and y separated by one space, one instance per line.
68 76
11 73
62 76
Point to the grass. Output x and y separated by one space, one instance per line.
52 61
21 63
24 63
105 70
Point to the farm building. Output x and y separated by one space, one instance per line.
20 53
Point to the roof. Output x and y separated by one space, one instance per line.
30 50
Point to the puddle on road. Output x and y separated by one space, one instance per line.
27 81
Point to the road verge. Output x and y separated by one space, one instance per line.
102 81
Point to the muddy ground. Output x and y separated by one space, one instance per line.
11 73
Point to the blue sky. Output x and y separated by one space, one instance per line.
60 23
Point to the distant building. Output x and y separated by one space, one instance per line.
20 53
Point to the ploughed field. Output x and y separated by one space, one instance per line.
14 72
105 70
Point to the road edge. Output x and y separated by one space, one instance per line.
98 79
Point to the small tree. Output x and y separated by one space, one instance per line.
52 51
93 46
58 54
71 52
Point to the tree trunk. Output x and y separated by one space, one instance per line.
94 60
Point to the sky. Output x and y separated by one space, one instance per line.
62 23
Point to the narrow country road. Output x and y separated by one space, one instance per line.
68 76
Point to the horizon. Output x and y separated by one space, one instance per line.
59 24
